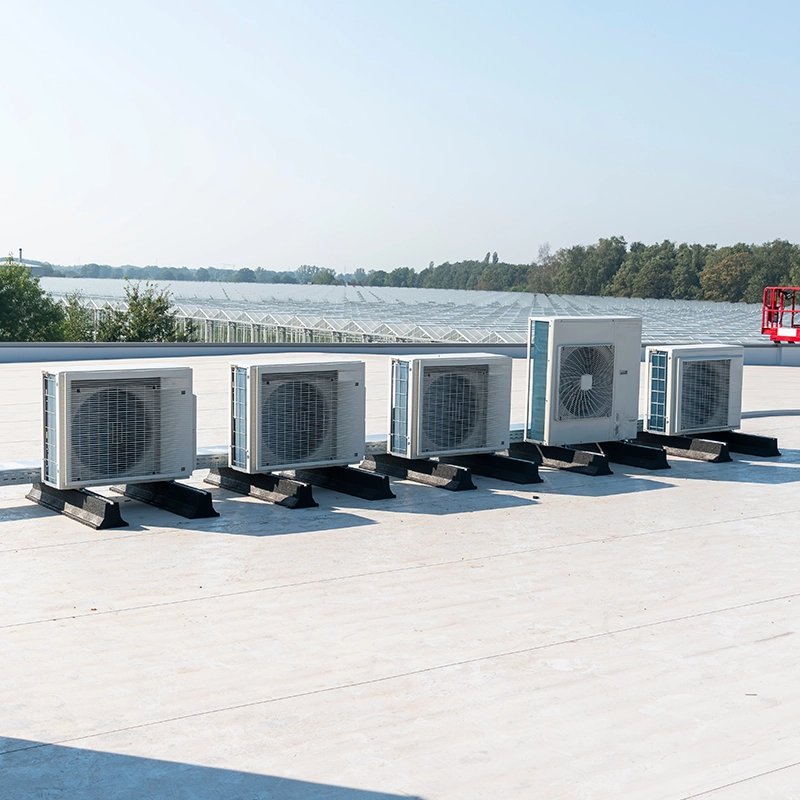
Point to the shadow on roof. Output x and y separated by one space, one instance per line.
758 471
605 485
38 769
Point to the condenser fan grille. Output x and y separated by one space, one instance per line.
453 412
298 417
705 392
586 382
114 428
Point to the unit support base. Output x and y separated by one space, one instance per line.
644 456
502 468
563 458
91 509
421 470
687 447
177 498
348 480
747 443
264 486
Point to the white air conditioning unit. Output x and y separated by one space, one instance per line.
449 404
293 415
583 379
105 426
694 388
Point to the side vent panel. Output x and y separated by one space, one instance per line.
657 413
50 430
538 389
239 417
398 433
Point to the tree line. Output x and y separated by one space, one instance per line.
613 268
610 267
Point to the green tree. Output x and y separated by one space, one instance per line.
245 275
149 317
306 272
726 279
325 277
79 323
27 312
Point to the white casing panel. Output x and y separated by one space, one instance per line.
542 424
715 406
296 414
449 404
107 425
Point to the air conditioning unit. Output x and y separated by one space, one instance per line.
583 379
105 426
293 415
694 388
449 404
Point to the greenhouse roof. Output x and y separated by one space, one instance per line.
448 315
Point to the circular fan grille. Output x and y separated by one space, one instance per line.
586 382
705 391
294 422
111 433
450 411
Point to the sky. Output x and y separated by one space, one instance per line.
376 135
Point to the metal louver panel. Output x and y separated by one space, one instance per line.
398 435
297 417
239 417
50 460
453 407
585 382
115 428
705 393
657 413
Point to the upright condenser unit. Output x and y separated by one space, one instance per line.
583 379
449 404
694 388
104 426
290 415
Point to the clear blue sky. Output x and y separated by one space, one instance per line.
373 134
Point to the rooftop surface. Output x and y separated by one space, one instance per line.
624 636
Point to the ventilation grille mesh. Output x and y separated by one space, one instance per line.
657 415
398 442
705 392
50 432
454 407
538 374
115 428
239 421
298 418
586 382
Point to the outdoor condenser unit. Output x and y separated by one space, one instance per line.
694 388
449 404
583 379
293 415
104 426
